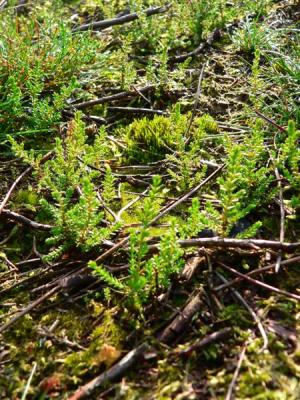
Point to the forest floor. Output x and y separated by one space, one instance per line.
149 200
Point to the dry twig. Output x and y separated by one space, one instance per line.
20 177
254 244
182 320
112 97
29 308
100 25
200 344
114 372
259 283
25 221
256 272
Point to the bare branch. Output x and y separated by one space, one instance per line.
254 244
110 98
256 272
114 372
253 314
182 320
100 25
29 308
261 284
236 373
20 177
24 220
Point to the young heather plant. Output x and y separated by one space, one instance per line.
39 63
147 276
76 211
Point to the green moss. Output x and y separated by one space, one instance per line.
108 333
150 140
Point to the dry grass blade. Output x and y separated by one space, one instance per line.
229 395
253 314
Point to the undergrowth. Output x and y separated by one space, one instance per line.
113 170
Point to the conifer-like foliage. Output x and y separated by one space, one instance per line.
40 59
69 191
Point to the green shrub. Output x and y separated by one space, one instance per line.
70 196
39 62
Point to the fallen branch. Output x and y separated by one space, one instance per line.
24 220
62 341
114 372
200 344
190 267
196 102
282 218
3 4
182 320
216 34
126 362
255 272
110 98
20 177
163 212
270 121
236 373
28 383
253 314
184 197
137 110
106 23
29 308
259 283
254 244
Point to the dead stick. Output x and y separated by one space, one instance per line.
256 272
29 308
8 194
25 221
182 320
279 184
3 4
167 209
255 244
282 217
187 195
20 177
190 267
126 362
261 284
114 372
64 341
270 121
200 344
216 34
113 97
197 96
99 25
137 110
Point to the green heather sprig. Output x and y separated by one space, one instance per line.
70 199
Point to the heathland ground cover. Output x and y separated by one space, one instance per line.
149 199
